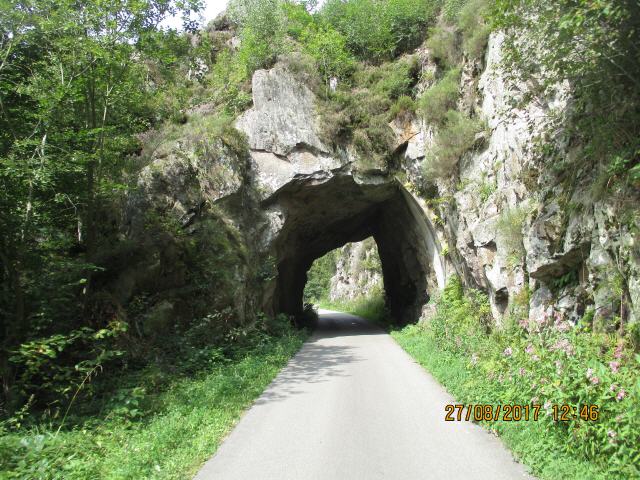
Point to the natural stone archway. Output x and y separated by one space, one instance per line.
324 214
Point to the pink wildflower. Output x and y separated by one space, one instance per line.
618 351
529 350
558 367
611 433
595 380
589 372
521 372
507 352
614 366
613 387
621 394
564 345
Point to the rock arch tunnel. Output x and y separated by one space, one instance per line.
321 214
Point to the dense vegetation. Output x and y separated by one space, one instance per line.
158 423
89 89
547 362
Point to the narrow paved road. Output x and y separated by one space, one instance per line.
352 405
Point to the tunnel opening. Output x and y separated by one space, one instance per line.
322 214
347 276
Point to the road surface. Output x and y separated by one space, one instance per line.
352 405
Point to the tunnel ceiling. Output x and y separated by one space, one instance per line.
324 214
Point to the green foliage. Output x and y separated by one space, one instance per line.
319 278
391 79
371 306
474 27
403 109
328 48
441 97
594 47
155 423
455 137
229 84
442 43
361 115
509 229
546 362
380 30
485 189
78 82
262 32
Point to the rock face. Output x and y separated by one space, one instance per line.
521 229
533 237
358 271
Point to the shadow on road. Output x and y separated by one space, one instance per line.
321 357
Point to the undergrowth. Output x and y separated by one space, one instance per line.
153 423
546 362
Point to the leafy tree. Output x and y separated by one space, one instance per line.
380 30
74 88
328 48
262 31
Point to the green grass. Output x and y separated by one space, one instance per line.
175 431
531 442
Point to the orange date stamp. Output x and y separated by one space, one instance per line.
517 413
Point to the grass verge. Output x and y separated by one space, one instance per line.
166 435
530 441
546 361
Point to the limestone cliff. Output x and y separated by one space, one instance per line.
507 219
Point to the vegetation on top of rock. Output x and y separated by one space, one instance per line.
593 46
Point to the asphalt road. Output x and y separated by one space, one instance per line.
352 405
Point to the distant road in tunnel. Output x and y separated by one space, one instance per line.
352 405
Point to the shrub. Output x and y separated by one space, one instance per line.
304 69
328 48
442 43
262 32
229 84
403 109
474 27
379 30
509 229
440 98
454 138
391 80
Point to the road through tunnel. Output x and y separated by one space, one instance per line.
323 214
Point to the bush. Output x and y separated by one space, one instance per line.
328 48
509 230
391 79
262 32
319 278
403 109
442 43
474 27
454 138
379 30
441 97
